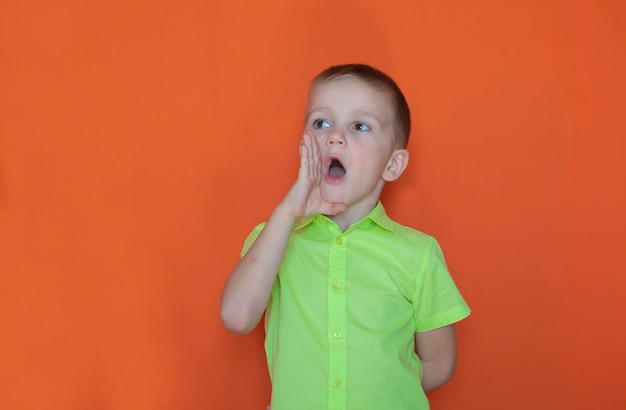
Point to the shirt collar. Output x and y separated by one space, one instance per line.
378 215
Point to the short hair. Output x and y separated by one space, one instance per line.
377 79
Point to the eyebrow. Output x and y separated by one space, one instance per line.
318 109
358 113
367 114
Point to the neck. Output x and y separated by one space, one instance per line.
352 215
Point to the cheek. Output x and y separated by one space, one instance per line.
318 133
320 138
362 151
372 159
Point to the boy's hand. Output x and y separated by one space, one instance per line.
305 197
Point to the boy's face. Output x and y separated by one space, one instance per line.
353 125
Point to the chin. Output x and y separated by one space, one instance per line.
333 193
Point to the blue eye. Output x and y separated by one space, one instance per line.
320 124
359 126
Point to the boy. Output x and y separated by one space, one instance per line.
350 294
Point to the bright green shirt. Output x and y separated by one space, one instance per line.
344 310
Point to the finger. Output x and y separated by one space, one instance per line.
310 144
304 159
335 208
316 165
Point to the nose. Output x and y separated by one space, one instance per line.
336 137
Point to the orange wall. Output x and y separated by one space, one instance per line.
140 142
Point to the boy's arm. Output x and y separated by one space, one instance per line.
249 285
437 351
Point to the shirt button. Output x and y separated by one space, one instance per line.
336 286
337 383
339 240
337 335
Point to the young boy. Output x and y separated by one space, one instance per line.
350 294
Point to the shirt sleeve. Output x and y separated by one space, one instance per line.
251 238
437 302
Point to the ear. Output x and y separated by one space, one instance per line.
396 165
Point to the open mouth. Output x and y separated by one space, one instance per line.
336 169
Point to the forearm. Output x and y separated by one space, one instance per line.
249 285
437 351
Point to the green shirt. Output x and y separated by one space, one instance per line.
344 310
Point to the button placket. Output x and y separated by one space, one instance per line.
337 349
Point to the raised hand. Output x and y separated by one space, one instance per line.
305 196
249 285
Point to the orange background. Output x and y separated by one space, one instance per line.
141 141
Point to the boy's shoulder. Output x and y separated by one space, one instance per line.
380 216
409 234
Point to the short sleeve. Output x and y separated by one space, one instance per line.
437 302
251 238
